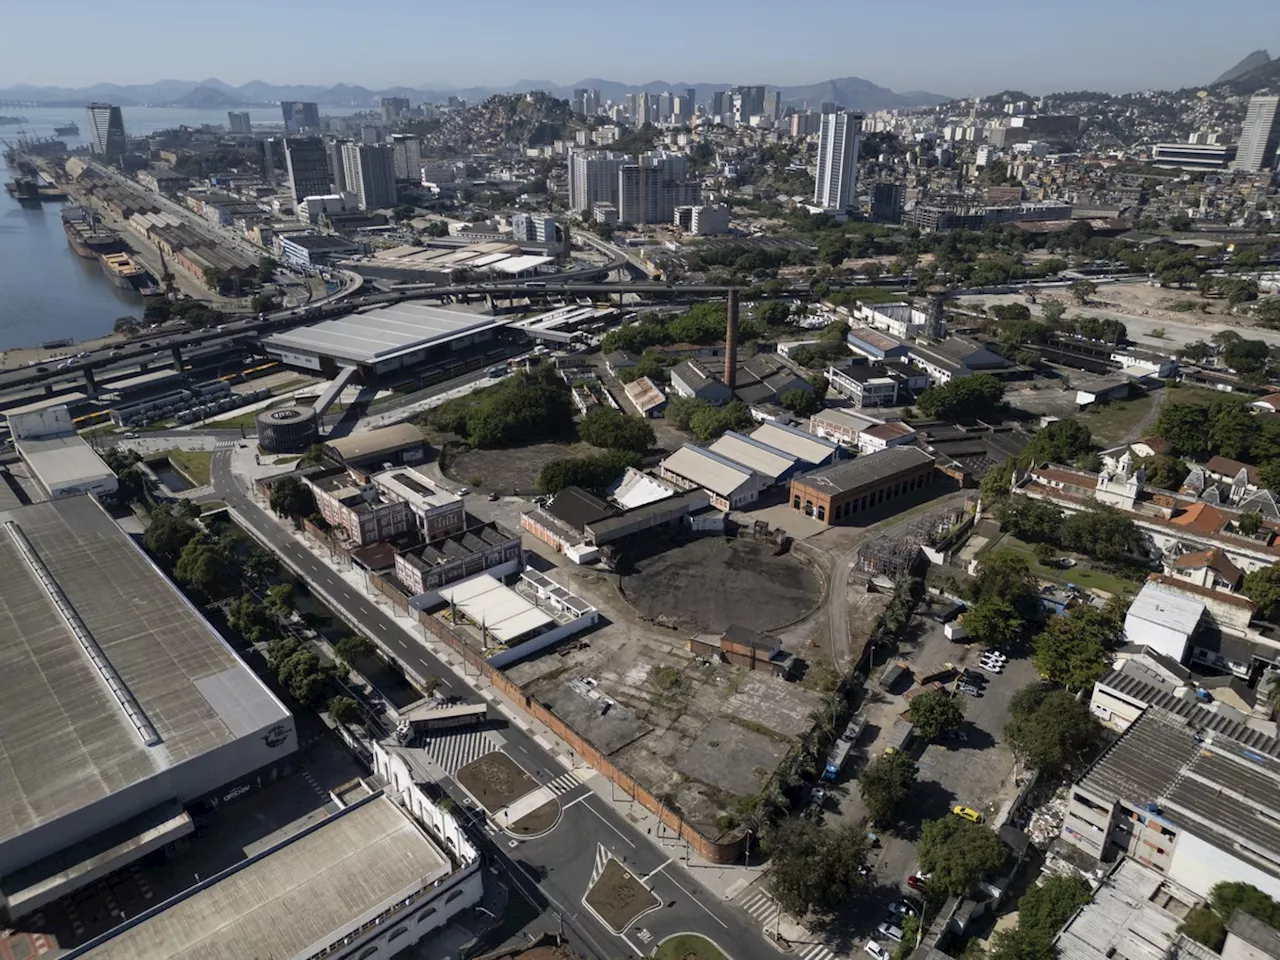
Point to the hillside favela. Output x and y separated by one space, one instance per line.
769 518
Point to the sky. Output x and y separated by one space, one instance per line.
942 46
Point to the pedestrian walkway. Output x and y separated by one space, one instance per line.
764 910
565 783
225 444
759 906
453 751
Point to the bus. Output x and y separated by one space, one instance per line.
426 720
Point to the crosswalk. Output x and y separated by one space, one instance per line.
764 910
224 444
453 751
564 783
602 860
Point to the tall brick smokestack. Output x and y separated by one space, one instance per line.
731 342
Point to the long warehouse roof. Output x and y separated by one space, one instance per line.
382 333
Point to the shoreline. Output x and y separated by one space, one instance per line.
15 358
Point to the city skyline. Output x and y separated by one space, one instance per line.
1135 52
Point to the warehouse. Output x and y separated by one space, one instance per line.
773 464
59 459
730 484
367 881
811 451
400 443
857 488
382 340
122 705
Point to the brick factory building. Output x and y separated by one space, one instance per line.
844 491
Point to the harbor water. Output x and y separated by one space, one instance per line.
46 291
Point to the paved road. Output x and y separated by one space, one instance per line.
560 863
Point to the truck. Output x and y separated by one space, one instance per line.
836 759
432 717
899 736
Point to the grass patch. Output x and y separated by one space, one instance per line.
538 821
100 430
1197 396
618 897
1112 421
495 781
688 946
196 465
1083 574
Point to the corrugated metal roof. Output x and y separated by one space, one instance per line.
760 457
707 470
1164 608
801 445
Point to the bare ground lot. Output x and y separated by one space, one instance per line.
618 897
710 583
495 781
513 470
537 821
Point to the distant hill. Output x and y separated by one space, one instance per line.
1263 79
1259 58
207 98
852 93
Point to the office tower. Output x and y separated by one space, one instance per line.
299 116
682 109
106 128
828 107
747 103
836 184
646 109
717 103
773 104
406 153
887 201
308 167
665 107
238 123
370 172
651 186
1260 135
393 108
579 102
370 133
691 97
271 150
803 124
629 102
593 178
337 168
534 228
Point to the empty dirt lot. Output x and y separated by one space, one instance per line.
708 584
513 470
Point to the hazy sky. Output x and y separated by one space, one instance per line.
944 46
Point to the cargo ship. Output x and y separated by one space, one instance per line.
69 130
86 237
125 273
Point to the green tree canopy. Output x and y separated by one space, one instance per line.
167 533
605 427
1060 442
1186 427
343 709
1004 575
707 422
957 853
967 397
291 498
1227 898
1262 586
803 403
527 407
1055 736
1202 925
1031 520
885 784
1074 648
1164 472
1101 532
205 565
815 868
993 622
354 647
249 618
1044 909
934 713
596 471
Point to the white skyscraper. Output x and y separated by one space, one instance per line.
1260 136
593 178
836 185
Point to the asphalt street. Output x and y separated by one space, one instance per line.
560 863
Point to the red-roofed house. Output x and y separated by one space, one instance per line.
1210 568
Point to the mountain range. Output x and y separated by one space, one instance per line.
852 93
1255 60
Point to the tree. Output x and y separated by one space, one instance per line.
1102 532
1044 909
1164 472
291 498
596 471
305 677
1060 442
1003 575
803 403
248 618
1202 925
1249 523
934 713
885 784
995 483
343 709
1246 356
205 565
815 869
1031 520
605 427
1186 427
354 647
1055 735
260 564
1229 897
956 854
964 398
773 313
167 533
708 423
1073 648
993 622
1082 290
127 326
680 410
279 601
267 267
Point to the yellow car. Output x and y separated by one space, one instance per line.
968 813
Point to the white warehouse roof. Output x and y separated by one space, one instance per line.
1173 611
760 457
383 333
504 613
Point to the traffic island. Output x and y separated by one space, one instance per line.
618 898
495 781
536 822
688 946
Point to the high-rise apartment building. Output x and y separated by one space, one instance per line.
836 185
803 124
393 108
238 123
369 169
666 106
406 152
308 167
534 228
585 102
887 202
593 178
106 130
1260 136
747 103
337 170
682 108
646 109
651 186
773 104
300 116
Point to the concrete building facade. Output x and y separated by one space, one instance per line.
836 183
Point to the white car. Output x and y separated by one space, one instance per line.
890 930
991 666
994 655
877 951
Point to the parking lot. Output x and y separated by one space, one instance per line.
976 772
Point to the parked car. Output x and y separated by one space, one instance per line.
995 655
890 931
903 908
818 797
969 689
877 951
973 676
991 666
968 813
493 497
959 735
918 883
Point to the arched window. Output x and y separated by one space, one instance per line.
397 933
425 914
795 502
822 513
454 895
368 953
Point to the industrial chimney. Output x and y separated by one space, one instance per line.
731 341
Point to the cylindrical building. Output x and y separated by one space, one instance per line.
288 429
